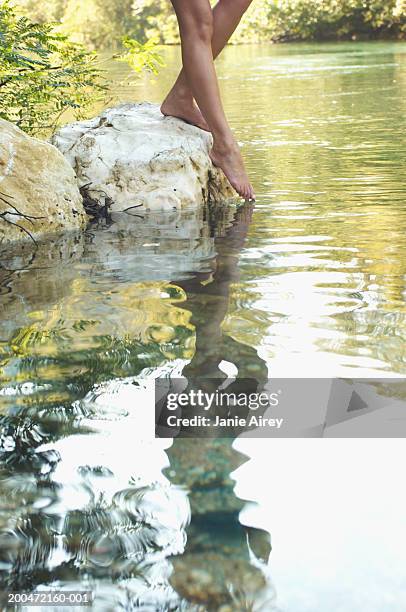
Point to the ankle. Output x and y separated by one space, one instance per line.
183 94
223 142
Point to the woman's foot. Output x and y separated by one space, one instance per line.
227 156
185 109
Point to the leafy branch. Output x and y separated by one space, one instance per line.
142 56
42 73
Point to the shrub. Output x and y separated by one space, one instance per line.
42 73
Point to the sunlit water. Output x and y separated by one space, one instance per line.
309 282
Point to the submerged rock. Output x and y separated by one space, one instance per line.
133 156
38 190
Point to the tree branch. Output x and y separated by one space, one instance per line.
16 213
25 70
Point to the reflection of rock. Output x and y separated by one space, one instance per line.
38 182
136 156
103 304
221 581
155 249
51 270
161 245
144 254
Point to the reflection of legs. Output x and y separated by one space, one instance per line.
225 562
196 27
209 303
226 559
179 102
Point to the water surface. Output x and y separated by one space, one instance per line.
309 282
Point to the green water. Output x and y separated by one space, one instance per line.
309 282
323 265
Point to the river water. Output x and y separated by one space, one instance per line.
309 282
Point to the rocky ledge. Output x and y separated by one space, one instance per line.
38 189
133 156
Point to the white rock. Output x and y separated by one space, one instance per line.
38 182
135 156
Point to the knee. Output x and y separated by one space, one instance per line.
199 25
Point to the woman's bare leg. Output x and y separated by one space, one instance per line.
180 102
196 25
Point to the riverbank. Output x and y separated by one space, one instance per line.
285 20
130 158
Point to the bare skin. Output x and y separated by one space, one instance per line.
204 33
180 102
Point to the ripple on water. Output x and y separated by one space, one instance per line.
312 281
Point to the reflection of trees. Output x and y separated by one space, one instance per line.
58 342
100 528
330 148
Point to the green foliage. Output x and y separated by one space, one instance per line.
287 20
103 24
98 24
42 74
156 19
141 56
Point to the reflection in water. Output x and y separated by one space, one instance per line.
208 299
91 518
233 569
322 284
83 505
